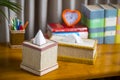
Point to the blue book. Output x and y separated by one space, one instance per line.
110 23
93 18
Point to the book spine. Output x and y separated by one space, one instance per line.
80 29
80 34
94 20
70 30
117 38
110 25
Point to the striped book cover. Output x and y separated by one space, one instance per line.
110 23
93 18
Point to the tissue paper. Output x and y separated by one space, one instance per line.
39 38
72 38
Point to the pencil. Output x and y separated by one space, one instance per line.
26 24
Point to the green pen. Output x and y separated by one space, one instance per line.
14 24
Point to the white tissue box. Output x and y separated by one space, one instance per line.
84 52
39 59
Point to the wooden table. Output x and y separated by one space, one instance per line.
107 64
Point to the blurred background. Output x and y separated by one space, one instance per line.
41 12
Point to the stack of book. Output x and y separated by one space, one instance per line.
110 23
93 18
117 39
63 30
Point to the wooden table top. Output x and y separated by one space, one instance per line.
107 64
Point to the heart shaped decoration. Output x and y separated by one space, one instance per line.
71 17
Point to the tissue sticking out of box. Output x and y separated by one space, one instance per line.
72 38
39 39
77 38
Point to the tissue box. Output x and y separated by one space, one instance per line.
78 52
39 59
16 38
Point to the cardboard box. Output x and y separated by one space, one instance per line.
16 38
79 52
39 59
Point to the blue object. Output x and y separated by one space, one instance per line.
94 30
109 40
93 13
110 28
99 39
110 13
66 33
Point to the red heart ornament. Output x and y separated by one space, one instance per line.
71 17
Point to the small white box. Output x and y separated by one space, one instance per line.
39 59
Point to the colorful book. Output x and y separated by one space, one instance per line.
117 37
110 23
61 29
93 18
55 27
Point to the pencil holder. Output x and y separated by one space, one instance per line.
16 38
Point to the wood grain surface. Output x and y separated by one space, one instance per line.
107 65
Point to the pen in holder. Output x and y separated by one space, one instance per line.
16 38
17 31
